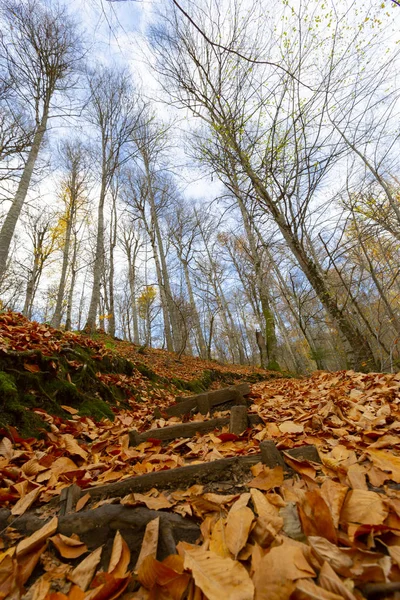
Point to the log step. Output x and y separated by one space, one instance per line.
187 430
224 469
204 402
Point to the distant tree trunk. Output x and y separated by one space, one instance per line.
31 287
98 265
268 316
10 222
113 243
193 309
167 293
68 320
56 320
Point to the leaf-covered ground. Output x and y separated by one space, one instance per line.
327 530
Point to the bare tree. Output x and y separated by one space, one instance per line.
40 48
113 113
41 233
277 138
74 159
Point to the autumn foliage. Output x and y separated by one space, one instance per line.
326 529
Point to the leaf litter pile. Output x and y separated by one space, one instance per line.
311 530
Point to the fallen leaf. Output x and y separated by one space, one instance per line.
37 538
278 571
149 543
330 581
26 502
120 557
267 479
237 529
83 574
68 547
217 577
363 507
291 427
82 502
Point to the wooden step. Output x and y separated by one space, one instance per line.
204 402
185 430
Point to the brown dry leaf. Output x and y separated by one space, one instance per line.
28 562
278 571
340 561
217 577
82 502
301 466
6 448
152 503
37 538
386 461
220 498
25 502
69 409
83 574
356 477
268 521
72 446
40 589
334 495
149 543
291 427
218 539
110 590
120 557
68 547
240 502
267 479
237 529
363 507
308 590
63 465
315 516
331 582
32 467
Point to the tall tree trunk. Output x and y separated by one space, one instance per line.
30 288
56 320
98 266
171 307
193 309
132 288
113 243
269 320
68 320
10 222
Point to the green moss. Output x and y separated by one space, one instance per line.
96 409
146 372
8 388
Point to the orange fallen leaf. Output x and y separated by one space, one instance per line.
363 507
237 529
217 577
37 538
149 543
82 502
83 574
68 547
26 502
267 479
120 557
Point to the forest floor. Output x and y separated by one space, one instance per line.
94 508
